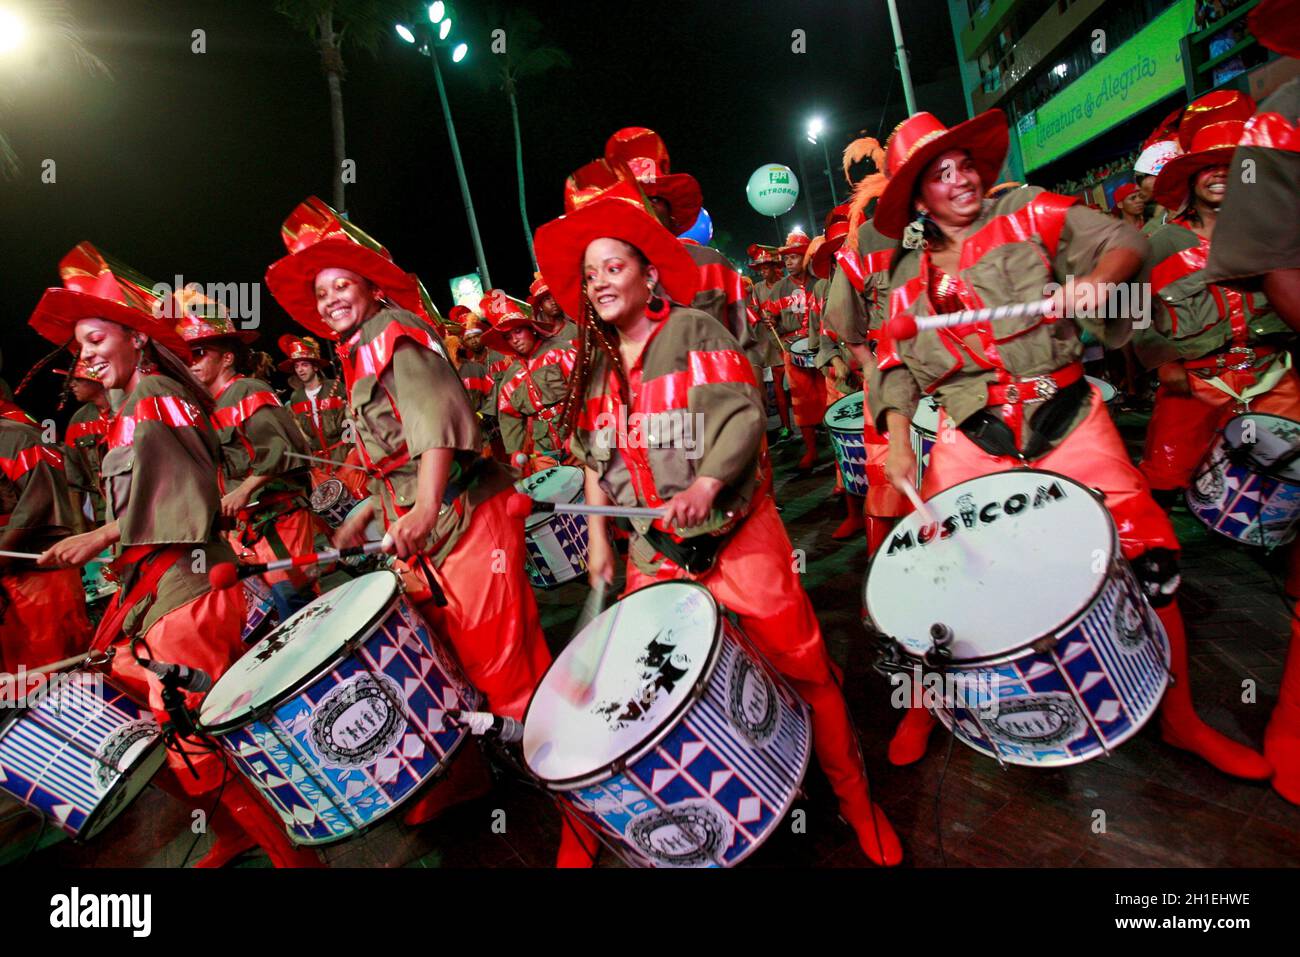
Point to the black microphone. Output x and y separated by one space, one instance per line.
183 677
508 730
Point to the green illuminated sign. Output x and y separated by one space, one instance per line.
1141 72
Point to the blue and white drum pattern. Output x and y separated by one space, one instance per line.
1115 671
1239 493
844 424
79 754
259 608
1055 655
802 354
556 543
365 734
925 428
701 787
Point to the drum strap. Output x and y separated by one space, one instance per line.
147 564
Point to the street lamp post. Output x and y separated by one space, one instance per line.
815 128
436 14
900 52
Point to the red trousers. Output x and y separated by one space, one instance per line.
883 499
297 530
755 578
1182 427
205 633
45 620
1093 454
491 615
807 394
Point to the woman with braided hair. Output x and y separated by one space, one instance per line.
649 367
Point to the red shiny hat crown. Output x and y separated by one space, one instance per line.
642 154
538 289
1217 106
200 318
794 243
840 214
1124 192
295 349
1276 25
760 255
501 310
459 315
1213 145
96 286
319 238
918 140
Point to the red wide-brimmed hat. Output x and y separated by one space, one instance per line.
794 243
1213 146
299 350
538 290
94 288
460 316
1217 106
760 255
318 238
199 318
618 212
1275 24
643 152
818 260
918 140
503 314
80 370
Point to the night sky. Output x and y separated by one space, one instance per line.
187 163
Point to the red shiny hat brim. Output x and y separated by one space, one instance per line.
246 336
682 192
562 243
57 314
1172 186
985 137
821 258
292 280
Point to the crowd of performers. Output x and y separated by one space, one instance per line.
181 445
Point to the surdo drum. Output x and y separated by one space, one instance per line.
844 424
332 501
690 749
556 543
802 354
339 715
1248 486
78 752
1056 656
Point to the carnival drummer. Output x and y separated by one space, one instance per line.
532 388
1013 394
444 505
643 357
264 490
160 488
790 302
85 439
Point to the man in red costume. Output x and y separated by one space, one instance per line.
791 303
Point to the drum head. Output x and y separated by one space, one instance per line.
297 650
657 644
926 417
1107 390
801 345
326 495
563 483
846 414
1016 556
1269 437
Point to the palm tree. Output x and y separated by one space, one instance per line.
525 56
52 30
330 24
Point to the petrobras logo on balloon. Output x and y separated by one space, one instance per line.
772 189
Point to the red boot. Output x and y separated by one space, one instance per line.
907 746
259 823
579 848
1181 727
809 434
1282 736
468 778
854 521
877 532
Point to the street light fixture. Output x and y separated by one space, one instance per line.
430 49
13 31
816 126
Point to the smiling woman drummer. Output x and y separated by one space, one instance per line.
159 475
665 412
1013 392
443 504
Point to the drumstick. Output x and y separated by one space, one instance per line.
577 683
973 558
521 506
226 574
46 669
906 327
32 555
339 465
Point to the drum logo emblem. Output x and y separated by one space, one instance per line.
1209 485
1130 629
662 667
684 835
1038 721
114 756
752 701
359 721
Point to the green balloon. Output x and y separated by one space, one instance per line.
772 189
